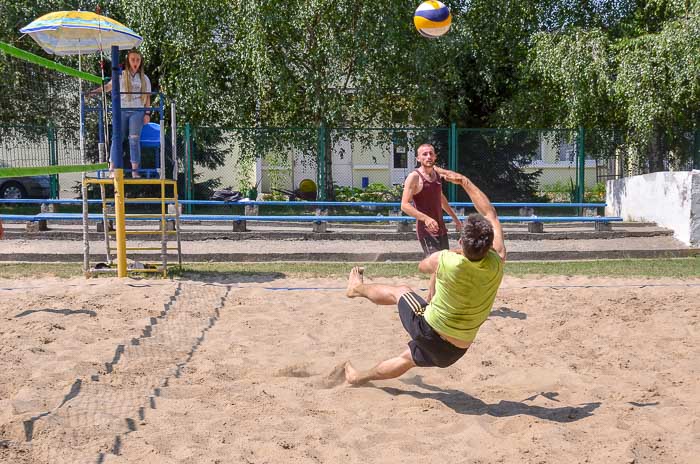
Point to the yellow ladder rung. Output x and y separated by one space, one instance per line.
99 181
145 232
143 248
152 263
149 181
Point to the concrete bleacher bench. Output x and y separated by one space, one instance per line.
404 223
318 221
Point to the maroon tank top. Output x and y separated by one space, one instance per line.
428 201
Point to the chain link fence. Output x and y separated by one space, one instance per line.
26 146
367 164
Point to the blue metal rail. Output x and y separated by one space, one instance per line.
238 217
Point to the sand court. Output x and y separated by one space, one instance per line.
566 369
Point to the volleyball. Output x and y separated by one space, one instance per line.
432 19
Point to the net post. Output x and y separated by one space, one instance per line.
120 223
696 150
581 180
53 158
321 163
452 160
188 166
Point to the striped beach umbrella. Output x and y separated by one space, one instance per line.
77 32
81 32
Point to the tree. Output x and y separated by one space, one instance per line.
299 64
639 74
29 93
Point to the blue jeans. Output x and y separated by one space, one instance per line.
132 123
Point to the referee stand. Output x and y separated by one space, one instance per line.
168 195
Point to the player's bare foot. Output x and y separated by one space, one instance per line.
351 376
333 378
355 279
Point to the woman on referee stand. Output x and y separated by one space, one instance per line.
135 88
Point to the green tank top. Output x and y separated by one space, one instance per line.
464 294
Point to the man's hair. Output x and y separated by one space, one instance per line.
477 237
424 145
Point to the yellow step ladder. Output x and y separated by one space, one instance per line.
117 260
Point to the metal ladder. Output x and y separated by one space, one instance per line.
164 218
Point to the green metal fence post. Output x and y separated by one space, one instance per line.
321 162
696 157
452 160
188 166
53 158
581 165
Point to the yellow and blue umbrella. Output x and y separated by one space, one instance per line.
77 32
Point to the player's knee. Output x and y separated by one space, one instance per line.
403 289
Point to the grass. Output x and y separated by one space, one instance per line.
679 268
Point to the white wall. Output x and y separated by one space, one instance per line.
670 199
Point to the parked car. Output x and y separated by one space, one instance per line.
24 187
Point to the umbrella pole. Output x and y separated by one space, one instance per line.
82 111
84 190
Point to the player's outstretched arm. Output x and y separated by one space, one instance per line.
482 204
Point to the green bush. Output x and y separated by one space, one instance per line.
566 192
374 192
596 193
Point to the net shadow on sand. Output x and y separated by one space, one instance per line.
112 402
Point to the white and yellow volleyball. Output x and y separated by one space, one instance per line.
432 19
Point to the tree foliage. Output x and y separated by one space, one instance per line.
632 65
640 75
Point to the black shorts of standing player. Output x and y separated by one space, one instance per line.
431 244
428 349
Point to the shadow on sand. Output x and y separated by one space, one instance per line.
463 403
64 312
228 278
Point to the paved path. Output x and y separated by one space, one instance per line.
216 242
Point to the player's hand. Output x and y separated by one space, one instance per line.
458 226
449 176
432 226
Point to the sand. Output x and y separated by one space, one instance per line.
565 370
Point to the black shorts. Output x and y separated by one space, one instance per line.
428 349
431 244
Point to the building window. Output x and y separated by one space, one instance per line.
400 152
567 152
400 160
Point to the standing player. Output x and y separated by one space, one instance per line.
423 199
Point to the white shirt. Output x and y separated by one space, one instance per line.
133 100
